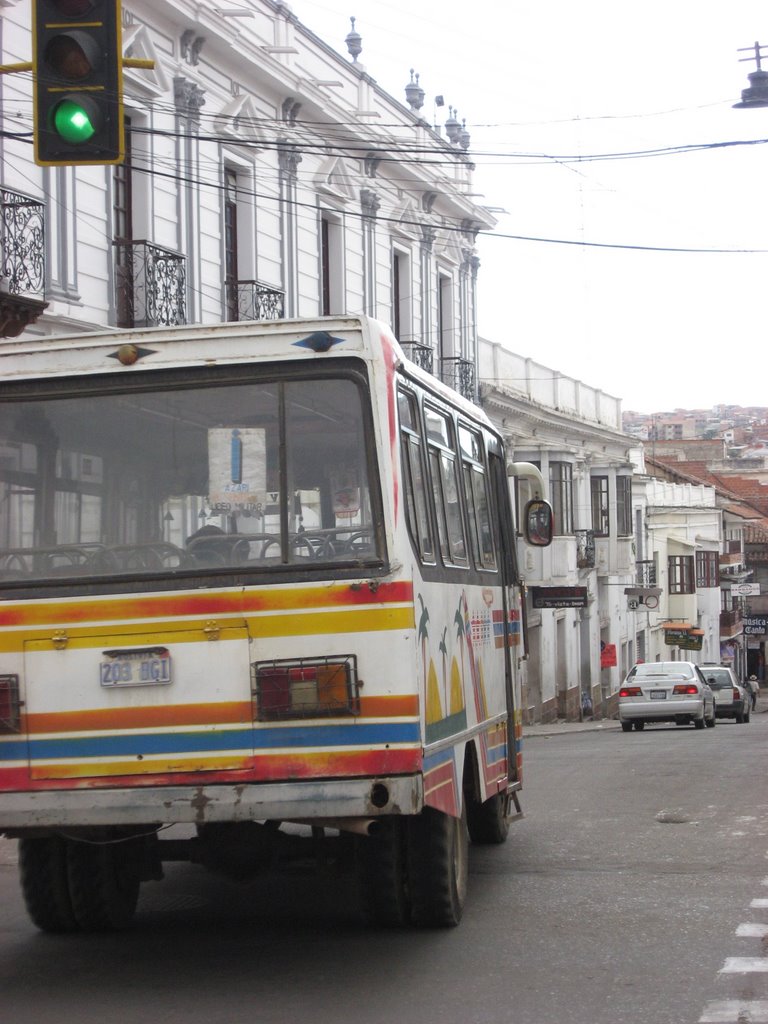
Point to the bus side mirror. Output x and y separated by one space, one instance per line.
538 522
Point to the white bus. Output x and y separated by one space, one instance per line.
258 579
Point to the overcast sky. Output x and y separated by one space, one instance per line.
538 81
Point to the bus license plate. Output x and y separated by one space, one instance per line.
658 694
144 666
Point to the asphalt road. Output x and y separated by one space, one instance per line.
622 897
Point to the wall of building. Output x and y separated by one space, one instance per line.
310 136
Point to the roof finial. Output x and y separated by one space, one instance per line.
414 93
354 43
452 126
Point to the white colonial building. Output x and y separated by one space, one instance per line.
633 557
265 175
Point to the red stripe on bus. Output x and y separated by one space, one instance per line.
237 603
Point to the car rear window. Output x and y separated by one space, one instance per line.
664 668
718 680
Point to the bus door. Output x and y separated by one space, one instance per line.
107 703
511 599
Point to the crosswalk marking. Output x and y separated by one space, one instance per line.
759 903
736 1011
745 965
753 930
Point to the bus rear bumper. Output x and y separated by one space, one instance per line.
165 805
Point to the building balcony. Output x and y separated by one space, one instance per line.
22 261
731 558
585 549
459 374
252 300
421 355
731 623
151 285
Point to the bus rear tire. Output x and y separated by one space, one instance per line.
104 881
381 875
487 821
438 863
44 885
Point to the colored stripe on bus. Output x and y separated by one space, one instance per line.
267 737
219 713
323 623
242 601
189 772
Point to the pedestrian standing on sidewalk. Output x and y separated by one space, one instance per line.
752 688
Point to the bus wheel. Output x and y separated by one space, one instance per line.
104 881
438 855
44 885
380 869
488 822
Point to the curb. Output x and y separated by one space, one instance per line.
561 727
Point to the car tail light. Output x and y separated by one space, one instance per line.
686 688
306 688
10 705
736 694
630 691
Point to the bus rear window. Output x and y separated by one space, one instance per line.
233 476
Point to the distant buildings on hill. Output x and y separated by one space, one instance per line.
743 431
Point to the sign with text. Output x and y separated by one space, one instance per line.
755 625
687 639
559 597
237 467
745 589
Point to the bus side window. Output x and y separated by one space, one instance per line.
476 494
505 527
443 464
414 483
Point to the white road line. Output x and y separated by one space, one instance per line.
745 965
736 1011
753 930
759 903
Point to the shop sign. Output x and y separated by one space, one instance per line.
755 625
559 597
685 637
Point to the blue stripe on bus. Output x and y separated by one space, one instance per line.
356 735
435 760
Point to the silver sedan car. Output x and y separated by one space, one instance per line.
666 691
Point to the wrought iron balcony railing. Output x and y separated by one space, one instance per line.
22 270
645 573
422 355
151 285
251 300
459 373
585 549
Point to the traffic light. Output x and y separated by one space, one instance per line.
78 74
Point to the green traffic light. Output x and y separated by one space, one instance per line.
72 122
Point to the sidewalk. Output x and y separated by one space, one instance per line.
561 727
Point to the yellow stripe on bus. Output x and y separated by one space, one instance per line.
326 623
96 768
